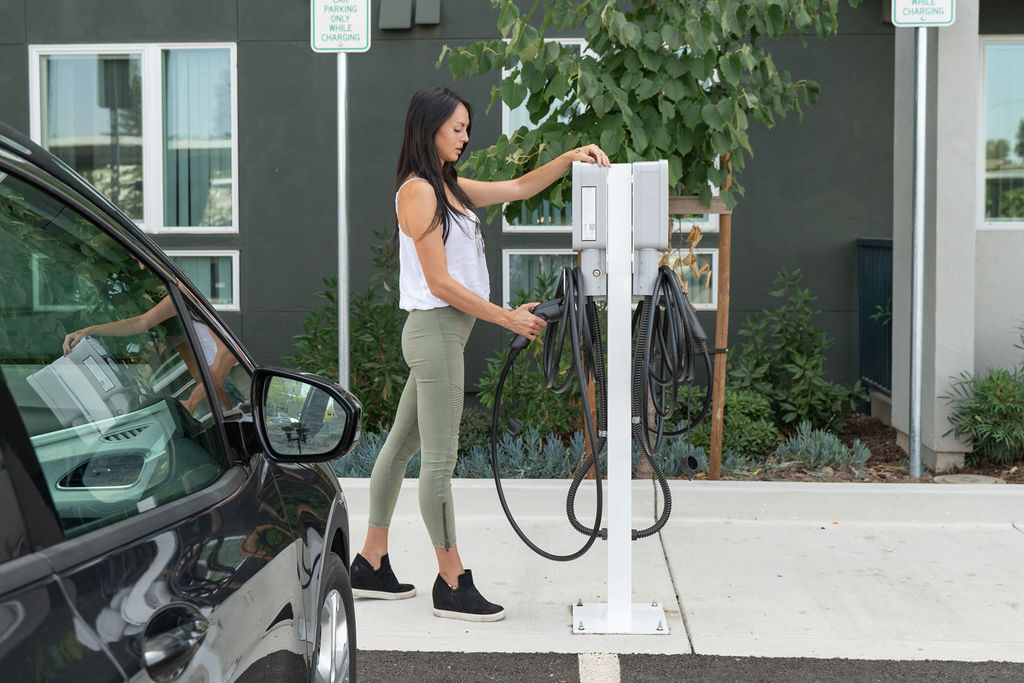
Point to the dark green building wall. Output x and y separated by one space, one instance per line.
818 184
287 137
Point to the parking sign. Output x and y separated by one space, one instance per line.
923 12
340 25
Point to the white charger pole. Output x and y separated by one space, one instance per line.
620 439
620 614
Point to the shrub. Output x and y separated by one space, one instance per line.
783 359
747 427
989 410
818 448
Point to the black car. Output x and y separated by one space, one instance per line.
166 507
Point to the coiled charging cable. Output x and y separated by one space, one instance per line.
572 315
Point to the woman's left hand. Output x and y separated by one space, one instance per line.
590 154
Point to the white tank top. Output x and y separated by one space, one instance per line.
464 251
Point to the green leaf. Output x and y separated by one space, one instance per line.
725 109
532 78
461 62
507 17
709 114
721 142
674 67
652 61
668 111
776 20
646 89
673 90
513 92
631 35
684 143
672 37
652 41
729 70
611 141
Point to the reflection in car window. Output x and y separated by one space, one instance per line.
231 380
99 364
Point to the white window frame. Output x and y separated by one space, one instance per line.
152 121
236 298
505 111
506 257
983 223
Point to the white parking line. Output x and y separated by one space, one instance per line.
599 668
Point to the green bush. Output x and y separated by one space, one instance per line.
818 448
989 410
783 359
747 427
377 371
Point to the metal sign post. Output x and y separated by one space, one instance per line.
919 14
341 26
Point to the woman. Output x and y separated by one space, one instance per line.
445 287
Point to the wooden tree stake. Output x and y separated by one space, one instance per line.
721 338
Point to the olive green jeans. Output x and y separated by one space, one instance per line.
427 420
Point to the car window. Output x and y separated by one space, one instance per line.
99 364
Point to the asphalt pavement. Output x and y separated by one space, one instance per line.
749 574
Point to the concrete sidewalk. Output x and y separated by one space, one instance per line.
864 571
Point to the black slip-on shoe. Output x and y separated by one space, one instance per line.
464 602
368 582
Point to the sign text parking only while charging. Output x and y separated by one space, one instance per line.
340 25
923 12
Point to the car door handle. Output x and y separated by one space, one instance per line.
171 638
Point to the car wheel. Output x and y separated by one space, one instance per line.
335 657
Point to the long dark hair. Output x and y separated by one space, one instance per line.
428 109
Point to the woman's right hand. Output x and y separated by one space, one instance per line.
71 340
522 321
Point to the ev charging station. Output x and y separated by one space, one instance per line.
620 226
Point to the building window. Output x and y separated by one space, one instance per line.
154 127
215 273
1003 192
524 270
546 218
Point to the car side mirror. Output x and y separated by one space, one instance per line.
302 417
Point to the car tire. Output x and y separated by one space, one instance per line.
334 657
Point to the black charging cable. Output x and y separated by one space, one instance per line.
668 340
571 317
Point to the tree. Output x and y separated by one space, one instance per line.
997 150
659 80
1019 147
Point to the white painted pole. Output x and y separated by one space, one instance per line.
343 355
917 240
620 294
